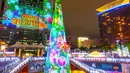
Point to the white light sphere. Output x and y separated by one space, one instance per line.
3 47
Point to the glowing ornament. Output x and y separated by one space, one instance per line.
53 56
56 20
62 61
49 20
65 47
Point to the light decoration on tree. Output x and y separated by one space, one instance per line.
119 51
126 52
57 60
122 50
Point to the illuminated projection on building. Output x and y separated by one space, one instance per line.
28 20
23 16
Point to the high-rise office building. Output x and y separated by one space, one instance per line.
29 23
114 21
2 7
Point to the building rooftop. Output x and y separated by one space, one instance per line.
112 5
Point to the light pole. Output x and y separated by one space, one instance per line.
116 69
3 47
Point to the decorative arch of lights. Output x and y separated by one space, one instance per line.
46 14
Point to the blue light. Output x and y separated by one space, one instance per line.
32 12
48 5
27 11
113 8
13 1
49 26
16 7
47 16
9 14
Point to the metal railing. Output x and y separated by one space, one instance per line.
8 59
86 67
38 59
20 65
10 66
111 60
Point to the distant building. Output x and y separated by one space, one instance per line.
2 7
82 41
86 42
114 21
71 41
0 4
25 31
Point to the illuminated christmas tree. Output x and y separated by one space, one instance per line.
57 60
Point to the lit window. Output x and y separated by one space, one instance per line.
129 24
109 30
120 28
104 23
123 23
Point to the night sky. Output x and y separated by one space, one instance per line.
80 17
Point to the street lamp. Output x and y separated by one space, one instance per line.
116 69
3 47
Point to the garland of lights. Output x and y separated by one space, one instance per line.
9 66
8 59
21 64
18 64
86 67
111 60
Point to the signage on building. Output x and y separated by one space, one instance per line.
29 20
23 16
